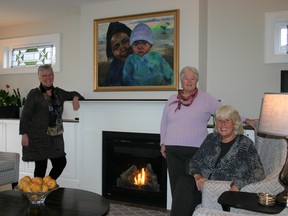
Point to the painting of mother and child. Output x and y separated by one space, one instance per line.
137 54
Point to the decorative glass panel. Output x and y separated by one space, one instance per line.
24 54
32 56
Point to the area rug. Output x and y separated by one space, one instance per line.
117 209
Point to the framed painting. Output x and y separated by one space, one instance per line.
137 52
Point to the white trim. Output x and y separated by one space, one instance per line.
7 45
272 22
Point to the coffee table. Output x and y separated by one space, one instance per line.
62 202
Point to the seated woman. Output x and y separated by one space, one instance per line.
225 155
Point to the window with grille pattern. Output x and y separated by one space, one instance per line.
32 56
25 54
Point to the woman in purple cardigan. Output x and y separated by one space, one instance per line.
184 123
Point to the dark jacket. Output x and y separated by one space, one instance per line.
34 122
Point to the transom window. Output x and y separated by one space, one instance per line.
32 56
24 54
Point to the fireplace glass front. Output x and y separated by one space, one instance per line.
134 169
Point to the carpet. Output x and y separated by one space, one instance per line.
118 209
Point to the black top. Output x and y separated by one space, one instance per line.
35 122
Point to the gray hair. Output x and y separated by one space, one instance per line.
45 67
189 68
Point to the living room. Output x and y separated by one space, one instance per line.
224 39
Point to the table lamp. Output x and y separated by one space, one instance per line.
274 121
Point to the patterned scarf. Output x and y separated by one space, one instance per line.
185 101
55 111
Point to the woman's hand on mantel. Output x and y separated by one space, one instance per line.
252 122
75 103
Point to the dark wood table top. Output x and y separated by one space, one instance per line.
247 201
62 202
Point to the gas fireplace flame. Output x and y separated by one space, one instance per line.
140 178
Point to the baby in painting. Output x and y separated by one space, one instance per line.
145 67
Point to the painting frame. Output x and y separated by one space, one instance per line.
164 26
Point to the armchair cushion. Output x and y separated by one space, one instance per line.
6 165
9 167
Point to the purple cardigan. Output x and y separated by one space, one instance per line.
187 126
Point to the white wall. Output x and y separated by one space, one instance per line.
188 37
236 70
69 76
231 63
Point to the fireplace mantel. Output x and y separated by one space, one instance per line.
123 100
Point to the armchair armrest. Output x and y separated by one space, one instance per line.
15 158
212 189
213 212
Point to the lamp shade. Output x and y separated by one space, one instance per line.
273 118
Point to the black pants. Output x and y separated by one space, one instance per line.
58 165
177 159
186 197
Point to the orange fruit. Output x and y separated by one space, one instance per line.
26 178
45 188
51 184
39 180
46 179
27 188
22 184
35 187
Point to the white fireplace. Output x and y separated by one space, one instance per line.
95 116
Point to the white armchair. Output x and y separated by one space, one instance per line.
272 152
214 212
9 168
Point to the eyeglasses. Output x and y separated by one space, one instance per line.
46 76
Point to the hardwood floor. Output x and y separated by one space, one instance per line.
5 187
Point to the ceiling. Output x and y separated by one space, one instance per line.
14 12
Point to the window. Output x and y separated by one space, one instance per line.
24 55
32 56
276 37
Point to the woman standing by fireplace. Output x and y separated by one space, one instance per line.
41 124
184 123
